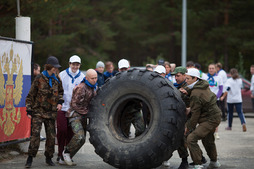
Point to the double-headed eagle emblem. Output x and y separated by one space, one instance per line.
10 92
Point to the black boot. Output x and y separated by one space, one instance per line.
203 160
29 162
49 161
184 164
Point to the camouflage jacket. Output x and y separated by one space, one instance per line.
132 106
203 105
81 97
42 99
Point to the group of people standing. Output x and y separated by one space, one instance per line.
65 97
204 116
204 96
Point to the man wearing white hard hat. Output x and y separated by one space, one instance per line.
70 77
123 65
161 70
132 112
205 117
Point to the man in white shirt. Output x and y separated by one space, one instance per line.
223 75
70 78
252 85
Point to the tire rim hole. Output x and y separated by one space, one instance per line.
131 118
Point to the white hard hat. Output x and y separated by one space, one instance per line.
193 72
75 58
160 69
123 63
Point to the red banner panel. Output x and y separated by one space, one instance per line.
14 124
15 82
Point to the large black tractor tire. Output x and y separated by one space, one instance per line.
161 136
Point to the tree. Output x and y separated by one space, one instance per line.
136 30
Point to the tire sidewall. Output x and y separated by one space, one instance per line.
161 137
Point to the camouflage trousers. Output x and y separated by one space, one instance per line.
134 118
205 132
79 138
35 136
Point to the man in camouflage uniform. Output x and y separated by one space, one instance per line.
206 114
42 102
79 107
179 73
131 113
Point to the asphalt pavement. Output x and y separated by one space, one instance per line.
235 150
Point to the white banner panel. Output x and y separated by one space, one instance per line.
21 50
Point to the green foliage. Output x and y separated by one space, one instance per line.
240 65
153 61
141 31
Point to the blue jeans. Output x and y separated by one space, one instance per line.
239 110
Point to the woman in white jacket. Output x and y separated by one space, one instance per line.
234 98
70 78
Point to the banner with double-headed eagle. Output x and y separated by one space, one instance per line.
15 82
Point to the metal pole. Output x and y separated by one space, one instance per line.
184 34
18 7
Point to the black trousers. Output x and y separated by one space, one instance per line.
221 105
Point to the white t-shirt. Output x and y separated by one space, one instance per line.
234 94
224 78
203 76
252 84
171 78
214 85
68 86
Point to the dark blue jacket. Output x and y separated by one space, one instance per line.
107 74
101 79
